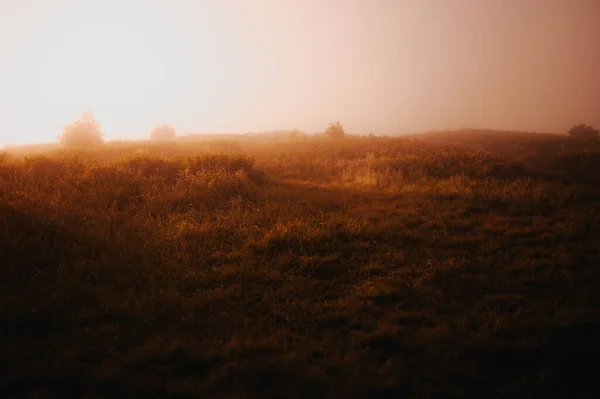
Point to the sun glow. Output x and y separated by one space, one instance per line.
235 66
94 61
123 62
99 71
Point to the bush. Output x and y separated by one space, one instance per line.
335 131
583 131
163 132
296 135
148 165
83 133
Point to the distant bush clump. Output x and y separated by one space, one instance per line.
82 133
583 131
296 135
335 131
163 132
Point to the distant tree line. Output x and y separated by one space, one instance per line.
85 132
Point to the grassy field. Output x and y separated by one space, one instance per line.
443 265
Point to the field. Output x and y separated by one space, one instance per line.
455 264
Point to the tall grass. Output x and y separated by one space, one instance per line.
366 268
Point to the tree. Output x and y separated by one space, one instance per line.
82 133
335 131
583 131
163 132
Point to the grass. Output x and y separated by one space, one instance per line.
379 267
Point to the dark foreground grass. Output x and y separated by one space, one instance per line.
376 268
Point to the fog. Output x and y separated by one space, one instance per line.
383 66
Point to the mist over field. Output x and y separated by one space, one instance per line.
316 198
236 66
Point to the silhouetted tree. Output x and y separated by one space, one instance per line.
82 133
163 132
583 131
335 131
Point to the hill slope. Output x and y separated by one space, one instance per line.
369 268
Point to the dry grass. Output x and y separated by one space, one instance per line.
370 268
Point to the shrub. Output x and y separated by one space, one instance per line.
163 132
83 133
148 165
583 131
296 135
335 131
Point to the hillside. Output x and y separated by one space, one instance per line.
440 265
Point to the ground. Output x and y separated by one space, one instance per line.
460 264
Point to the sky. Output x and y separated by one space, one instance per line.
234 66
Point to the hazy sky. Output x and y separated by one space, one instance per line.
384 66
